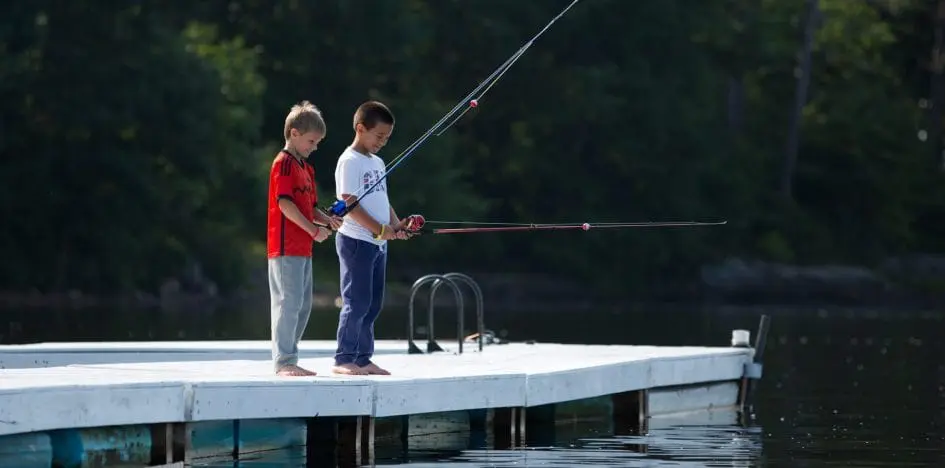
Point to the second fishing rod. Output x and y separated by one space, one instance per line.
341 207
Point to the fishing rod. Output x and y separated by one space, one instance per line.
470 101
416 223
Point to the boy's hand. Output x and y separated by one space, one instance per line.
321 234
389 232
335 222
409 227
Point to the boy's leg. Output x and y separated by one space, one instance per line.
366 352
286 287
308 288
356 261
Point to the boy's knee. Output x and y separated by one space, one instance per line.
290 307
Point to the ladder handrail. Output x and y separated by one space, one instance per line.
411 346
477 292
437 280
459 312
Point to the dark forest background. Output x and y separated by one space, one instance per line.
137 136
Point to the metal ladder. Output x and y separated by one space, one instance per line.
449 279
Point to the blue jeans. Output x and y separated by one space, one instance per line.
363 266
290 293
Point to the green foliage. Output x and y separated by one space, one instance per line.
235 185
120 176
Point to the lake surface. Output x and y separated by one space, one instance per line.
841 387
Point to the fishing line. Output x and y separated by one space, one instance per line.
340 208
491 80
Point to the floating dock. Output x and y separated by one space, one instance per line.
76 405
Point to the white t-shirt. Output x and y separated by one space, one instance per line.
355 173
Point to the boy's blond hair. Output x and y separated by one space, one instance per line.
304 117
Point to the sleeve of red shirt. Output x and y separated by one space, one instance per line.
282 178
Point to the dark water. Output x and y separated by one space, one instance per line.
841 387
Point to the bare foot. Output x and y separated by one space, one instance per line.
373 369
348 369
295 371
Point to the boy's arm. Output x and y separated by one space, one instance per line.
399 225
358 214
292 212
324 218
395 222
320 215
282 174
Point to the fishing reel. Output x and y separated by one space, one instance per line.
413 224
339 208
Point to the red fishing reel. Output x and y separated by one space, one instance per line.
414 223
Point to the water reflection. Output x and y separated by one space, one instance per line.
677 446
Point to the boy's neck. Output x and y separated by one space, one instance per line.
292 151
359 147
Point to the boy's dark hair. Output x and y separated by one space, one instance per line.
372 113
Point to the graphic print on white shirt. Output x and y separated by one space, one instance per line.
355 174
368 179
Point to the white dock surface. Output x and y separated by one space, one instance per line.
64 354
93 395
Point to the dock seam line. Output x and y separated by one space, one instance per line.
373 394
188 394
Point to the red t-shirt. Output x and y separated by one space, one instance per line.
295 180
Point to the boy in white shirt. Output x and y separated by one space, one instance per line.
361 242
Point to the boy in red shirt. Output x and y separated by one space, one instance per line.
291 227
